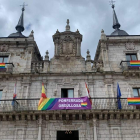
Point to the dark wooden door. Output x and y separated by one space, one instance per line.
62 135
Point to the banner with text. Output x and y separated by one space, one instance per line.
65 104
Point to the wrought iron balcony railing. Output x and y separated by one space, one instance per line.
125 65
8 68
32 104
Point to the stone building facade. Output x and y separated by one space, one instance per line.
69 70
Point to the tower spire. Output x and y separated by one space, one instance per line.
116 24
67 26
20 25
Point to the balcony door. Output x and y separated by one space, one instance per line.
67 135
67 93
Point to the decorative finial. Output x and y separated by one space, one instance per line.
32 34
102 31
103 36
77 31
67 22
57 31
47 55
112 3
88 55
67 26
23 6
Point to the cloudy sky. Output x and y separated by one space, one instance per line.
89 16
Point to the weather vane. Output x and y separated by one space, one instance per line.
23 6
112 2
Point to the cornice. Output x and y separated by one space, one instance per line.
70 115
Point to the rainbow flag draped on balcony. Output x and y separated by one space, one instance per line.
2 65
62 103
82 103
133 101
135 63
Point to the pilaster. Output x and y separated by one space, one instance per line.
95 129
39 127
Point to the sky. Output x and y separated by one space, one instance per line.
44 17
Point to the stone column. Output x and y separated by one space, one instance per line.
39 130
95 132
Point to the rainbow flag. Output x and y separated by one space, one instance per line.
47 103
133 101
135 63
2 65
84 104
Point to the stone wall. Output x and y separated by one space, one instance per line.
99 86
118 130
106 129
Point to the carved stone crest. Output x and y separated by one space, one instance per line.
67 47
4 48
130 46
67 80
67 122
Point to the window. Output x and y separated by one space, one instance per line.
136 92
130 57
3 59
0 94
67 93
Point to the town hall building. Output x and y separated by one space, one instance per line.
64 76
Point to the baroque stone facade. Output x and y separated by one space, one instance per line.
69 70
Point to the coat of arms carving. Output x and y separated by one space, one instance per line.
3 48
130 46
67 47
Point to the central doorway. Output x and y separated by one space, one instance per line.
67 135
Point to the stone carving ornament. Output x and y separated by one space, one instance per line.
3 48
130 46
67 47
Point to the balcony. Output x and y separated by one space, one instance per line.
8 68
32 104
127 69
102 109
